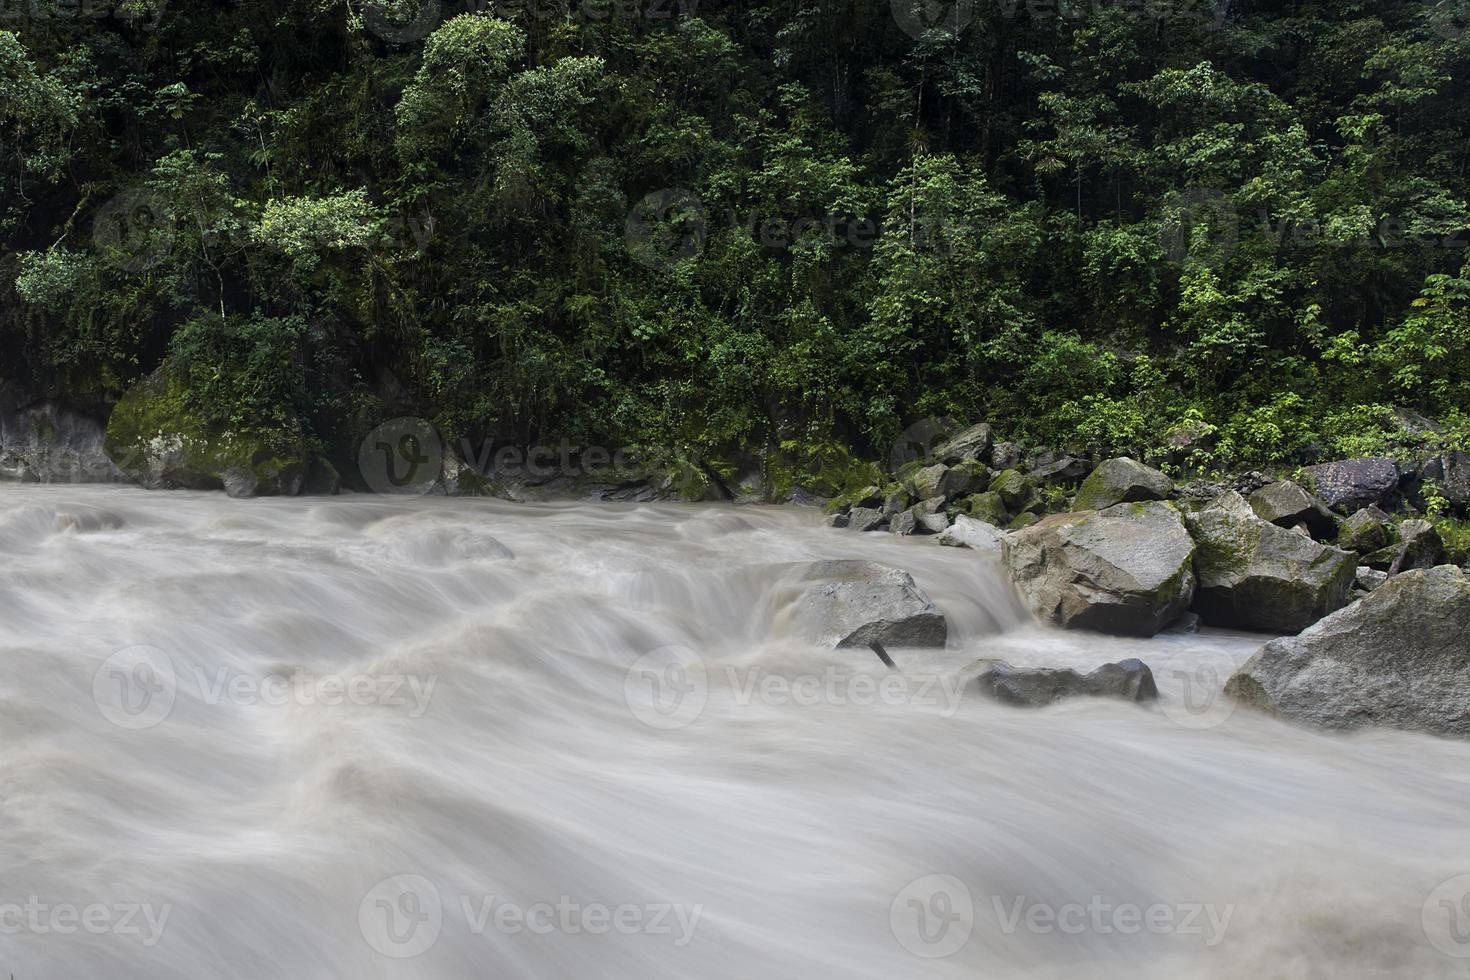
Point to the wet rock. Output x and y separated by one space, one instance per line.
1350 484
966 532
1287 504
1399 657
1130 680
1120 481
1124 570
854 603
866 519
1255 575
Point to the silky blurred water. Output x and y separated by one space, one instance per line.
378 737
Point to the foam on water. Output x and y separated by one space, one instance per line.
795 825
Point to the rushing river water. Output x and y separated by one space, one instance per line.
367 737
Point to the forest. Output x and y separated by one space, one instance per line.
1209 234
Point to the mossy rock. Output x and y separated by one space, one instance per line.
1013 486
154 439
987 507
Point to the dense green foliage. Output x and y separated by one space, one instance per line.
771 222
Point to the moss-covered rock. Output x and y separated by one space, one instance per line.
156 441
1120 481
1014 488
987 507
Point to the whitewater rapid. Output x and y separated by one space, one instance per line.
366 737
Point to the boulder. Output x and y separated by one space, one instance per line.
894 502
1130 680
1366 530
1286 504
1350 484
43 441
1121 481
1369 579
865 519
926 482
1398 657
936 523
904 522
966 532
1023 520
1124 570
965 477
973 443
1005 456
1053 467
846 603
1013 488
1454 482
155 441
1420 546
987 507
1255 575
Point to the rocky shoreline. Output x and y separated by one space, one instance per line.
1374 609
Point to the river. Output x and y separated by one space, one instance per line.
369 737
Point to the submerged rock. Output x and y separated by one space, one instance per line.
1124 570
1398 657
1120 481
1255 575
1130 680
846 603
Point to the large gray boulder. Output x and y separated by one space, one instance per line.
1349 484
1124 570
1120 481
42 441
847 603
1287 504
966 532
1035 687
1365 531
973 443
1255 575
1398 657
